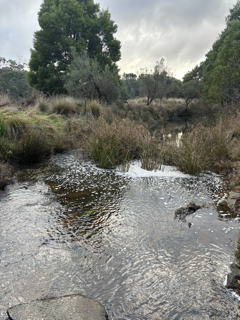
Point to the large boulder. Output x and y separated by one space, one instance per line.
73 307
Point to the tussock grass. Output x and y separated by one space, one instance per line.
64 105
116 143
43 105
33 146
95 108
16 126
200 150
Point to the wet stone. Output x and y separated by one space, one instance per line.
182 212
233 277
73 307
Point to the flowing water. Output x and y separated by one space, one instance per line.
68 227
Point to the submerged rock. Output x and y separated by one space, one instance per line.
73 307
182 212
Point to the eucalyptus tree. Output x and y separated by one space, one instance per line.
65 24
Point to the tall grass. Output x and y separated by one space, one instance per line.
151 155
116 143
33 146
3 127
64 105
200 149
16 126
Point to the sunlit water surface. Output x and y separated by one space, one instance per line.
69 227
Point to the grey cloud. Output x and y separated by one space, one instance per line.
180 30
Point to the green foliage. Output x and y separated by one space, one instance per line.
13 80
195 73
222 67
191 90
132 84
175 91
85 78
65 24
234 13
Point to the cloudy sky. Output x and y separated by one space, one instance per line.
181 31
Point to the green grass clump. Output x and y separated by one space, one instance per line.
95 108
16 126
43 105
33 146
64 105
116 143
200 149
3 127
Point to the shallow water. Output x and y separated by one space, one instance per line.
69 227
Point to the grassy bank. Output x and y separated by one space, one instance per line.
35 128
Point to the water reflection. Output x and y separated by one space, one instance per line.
114 238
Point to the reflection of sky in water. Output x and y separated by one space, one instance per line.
113 237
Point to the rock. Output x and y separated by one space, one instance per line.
222 203
232 277
72 307
232 199
182 212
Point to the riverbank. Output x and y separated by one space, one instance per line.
33 129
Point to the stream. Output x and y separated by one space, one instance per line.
69 227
